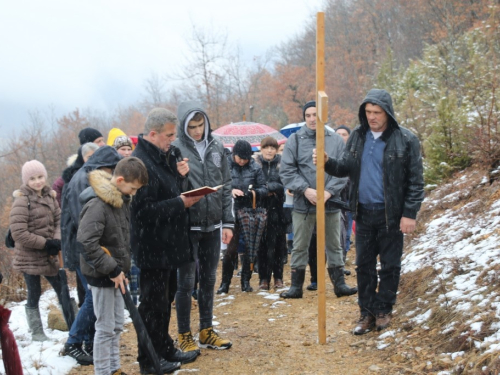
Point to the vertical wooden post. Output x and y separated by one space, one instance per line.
322 116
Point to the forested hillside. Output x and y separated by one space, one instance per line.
439 59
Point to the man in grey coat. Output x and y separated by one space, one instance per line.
298 174
210 218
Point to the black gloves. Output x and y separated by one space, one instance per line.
53 246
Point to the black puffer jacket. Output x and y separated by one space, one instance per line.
402 163
104 223
242 178
273 202
71 207
160 222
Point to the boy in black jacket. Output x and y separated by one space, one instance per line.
104 232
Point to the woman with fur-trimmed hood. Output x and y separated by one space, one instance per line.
35 227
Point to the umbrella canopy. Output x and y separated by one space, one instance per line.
252 132
289 129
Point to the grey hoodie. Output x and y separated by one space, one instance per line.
208 169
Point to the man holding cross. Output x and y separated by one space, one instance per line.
298 174
384 164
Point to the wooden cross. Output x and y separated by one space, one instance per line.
321 119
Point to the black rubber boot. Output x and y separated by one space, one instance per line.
340 288
295 291
227 275
246 275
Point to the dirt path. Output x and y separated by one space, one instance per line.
276 336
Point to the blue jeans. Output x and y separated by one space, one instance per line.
83 328
374 238
348 231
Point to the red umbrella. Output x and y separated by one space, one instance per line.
252 132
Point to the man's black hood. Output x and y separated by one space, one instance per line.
105 156
381 98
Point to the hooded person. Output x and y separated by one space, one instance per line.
82 330
384 164
209 219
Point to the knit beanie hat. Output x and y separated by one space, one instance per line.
345 128
312 103
88 135
121 141
242 149
32 168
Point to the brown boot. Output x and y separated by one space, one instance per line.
263 285
365 324
383 321
278 284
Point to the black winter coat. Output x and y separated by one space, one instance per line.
242 178
402 163
160 222
273 203
71 206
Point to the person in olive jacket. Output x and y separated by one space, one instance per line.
160 233
246 176
384 164
104 232
35 226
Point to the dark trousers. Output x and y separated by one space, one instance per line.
35 291
374 238
155 309
313 257
230 260
206 248
272 253
34 287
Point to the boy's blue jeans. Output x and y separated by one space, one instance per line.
83 328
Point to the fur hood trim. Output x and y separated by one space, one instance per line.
71 160
104 189
25 190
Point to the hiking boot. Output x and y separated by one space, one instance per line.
365 324
224 288
278 284
263 285
312 286
88 347
75 351
383 321
211 339
245 286
340 288
118 372
347 272
295 291
180 356
187 344
166 367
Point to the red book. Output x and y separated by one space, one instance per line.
201 191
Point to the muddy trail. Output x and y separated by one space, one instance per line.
276 336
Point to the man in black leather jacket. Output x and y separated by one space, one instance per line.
384 164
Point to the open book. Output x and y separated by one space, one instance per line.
201 191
